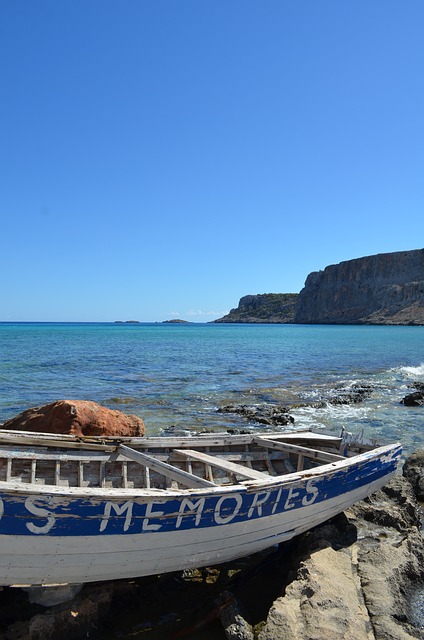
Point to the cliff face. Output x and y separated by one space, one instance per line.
387 288
264 308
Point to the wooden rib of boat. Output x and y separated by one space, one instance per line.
77 510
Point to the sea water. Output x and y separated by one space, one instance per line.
179 375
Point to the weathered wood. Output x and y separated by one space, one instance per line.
55 454
288 465
125 474
185 478
110 444
236 456
33 470
102 474
270 467
315 454
146 477
57 472
100 443
244 459
230 467
305 435
8 469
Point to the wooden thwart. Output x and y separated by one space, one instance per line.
315 454
215 461
185 478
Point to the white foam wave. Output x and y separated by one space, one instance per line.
412 371
332 417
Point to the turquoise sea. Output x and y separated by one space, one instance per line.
180 374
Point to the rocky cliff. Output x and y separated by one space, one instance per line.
386 288
264 308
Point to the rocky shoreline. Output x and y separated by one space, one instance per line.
276 415
355 576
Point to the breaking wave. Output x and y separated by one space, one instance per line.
413 371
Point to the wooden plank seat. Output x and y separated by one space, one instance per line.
226 465
317 438
235 456
184 477
315 454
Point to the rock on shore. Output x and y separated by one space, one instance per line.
413 470
76 417
357 588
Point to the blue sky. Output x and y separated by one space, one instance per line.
161 159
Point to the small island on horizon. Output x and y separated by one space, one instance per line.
173 321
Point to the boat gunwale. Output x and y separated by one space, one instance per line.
18 488
111 442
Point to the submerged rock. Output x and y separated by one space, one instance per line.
270 414
77 417
415 399
351 394
417 385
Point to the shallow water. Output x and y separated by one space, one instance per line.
180 374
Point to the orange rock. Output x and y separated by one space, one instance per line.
77 417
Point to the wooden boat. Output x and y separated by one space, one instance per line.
75 510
